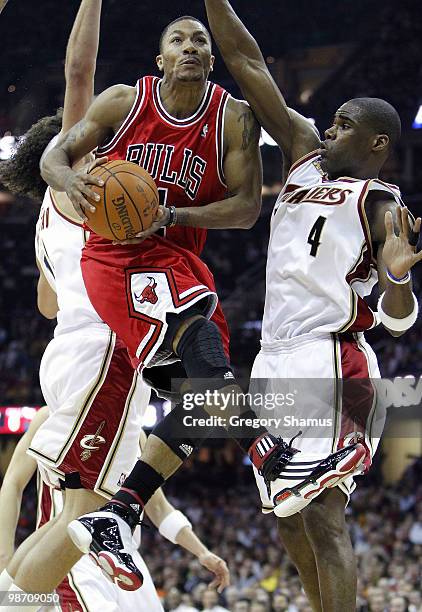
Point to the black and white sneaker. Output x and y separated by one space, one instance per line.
302 479
106 535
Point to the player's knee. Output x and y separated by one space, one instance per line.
201 351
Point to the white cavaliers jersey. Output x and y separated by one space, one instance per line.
320 261
58 245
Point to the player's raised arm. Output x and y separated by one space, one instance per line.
81 60
102 119
242 55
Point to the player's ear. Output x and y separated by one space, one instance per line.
159 61
212 60
381 142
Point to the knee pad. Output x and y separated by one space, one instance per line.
202 354
182 439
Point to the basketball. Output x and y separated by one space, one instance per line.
128 201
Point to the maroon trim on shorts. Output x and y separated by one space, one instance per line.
92 443
69 601
358 396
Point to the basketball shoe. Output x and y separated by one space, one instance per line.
303 478
106 535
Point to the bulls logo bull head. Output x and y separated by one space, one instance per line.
148 294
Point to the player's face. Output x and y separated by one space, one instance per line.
348 144
186 52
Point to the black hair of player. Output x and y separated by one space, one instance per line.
380 116
183 18
21 173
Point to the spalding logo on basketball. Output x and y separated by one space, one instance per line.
128 204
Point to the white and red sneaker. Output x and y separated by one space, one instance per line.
106 535
305 477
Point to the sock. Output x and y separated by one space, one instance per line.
6 581
139 487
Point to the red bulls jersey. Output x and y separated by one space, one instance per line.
184 156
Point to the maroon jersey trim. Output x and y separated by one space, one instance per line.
133 113
300 162
188 121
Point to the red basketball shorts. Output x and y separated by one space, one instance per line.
133 293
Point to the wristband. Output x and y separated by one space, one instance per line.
172 524
172 217
398 325
399 281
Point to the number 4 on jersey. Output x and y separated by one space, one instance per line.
315 235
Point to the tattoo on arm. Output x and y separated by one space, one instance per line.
77 132
249 128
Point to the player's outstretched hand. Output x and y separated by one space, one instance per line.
77 190
399 252
219 568
161 219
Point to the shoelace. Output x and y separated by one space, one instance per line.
294 438
286 447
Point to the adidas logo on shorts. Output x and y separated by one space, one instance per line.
186 449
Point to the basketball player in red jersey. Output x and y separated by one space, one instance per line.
319 325
199 144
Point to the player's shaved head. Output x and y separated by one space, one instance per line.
183 18
379 115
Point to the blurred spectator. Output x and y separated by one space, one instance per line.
210 602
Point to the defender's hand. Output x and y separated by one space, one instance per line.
161 219
399 251
219 568
77 190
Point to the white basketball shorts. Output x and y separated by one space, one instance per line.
319 386
96 403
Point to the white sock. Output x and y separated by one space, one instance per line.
10 601
5 581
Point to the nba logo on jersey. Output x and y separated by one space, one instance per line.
204 131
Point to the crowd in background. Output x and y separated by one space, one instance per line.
385 521
385 524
